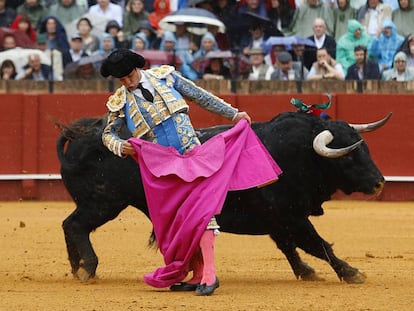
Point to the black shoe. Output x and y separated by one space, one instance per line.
205 290
183 287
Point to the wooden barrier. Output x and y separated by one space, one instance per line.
28 134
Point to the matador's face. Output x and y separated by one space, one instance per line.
131 80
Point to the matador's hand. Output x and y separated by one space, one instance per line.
127 149
242 115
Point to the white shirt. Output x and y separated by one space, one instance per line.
113 12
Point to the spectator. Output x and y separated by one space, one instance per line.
383 48
306 14
345 48
208 44
56 34
161 9
34 10
54 55
107 9
7 14
363 68
254 6
139 42
400 71
113 28
75 52
9 42
322 40
22 22
90 41
254 38
287 69
372 14
66 11
150 32
280 14
408 48
7 70
226 11
35 70
325 67
216 68
185 40
259 69
106 46
134 14
168 44
403 17
271 56
342 14
222 40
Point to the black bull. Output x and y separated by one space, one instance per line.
102 185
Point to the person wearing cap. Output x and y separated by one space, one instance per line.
286 69
259 69
75 51
400 71
151 103
325 67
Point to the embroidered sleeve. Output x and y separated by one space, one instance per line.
110 135
203 98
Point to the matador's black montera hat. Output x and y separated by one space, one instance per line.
121 62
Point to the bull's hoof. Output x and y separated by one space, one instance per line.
312 277
83 275
357 278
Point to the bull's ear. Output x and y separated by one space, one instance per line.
369 127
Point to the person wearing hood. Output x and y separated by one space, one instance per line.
208 43
161 9
34 10
56 34
139 42
304 16
355 36
403 17
169 44
115 30
134 14
342 14
400 70
383 48
372 15
22 22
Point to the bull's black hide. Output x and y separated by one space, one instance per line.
102 185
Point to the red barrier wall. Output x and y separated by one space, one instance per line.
28 134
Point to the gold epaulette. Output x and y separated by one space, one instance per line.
161 72
117 100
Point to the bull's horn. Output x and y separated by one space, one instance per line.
363 128
321 141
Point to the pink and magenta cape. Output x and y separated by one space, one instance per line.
185 191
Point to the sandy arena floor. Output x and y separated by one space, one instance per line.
376 237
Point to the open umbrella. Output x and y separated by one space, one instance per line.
22 39
286 41
20 56
196 20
